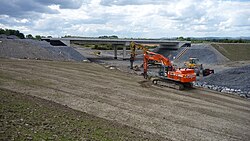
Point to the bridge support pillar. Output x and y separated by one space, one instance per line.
124 52
115 51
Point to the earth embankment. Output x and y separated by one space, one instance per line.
196 114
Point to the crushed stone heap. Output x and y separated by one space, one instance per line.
33 49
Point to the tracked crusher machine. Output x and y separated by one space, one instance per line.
167 74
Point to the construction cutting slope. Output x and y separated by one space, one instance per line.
205 52
195 114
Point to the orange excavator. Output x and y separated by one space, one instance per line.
167 75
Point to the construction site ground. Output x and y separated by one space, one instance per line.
110 94
25 117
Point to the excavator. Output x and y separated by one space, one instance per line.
167 75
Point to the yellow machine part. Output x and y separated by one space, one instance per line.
192 63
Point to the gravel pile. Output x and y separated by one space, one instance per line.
206 54
234 80
32 49
8 37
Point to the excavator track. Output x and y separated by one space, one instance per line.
170 84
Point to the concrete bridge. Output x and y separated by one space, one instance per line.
166 44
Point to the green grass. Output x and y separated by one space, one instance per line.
234 52
24 117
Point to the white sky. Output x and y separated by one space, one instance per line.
128 18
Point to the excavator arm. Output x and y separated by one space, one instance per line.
133 47
151 56
157 57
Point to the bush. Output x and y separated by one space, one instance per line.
12 32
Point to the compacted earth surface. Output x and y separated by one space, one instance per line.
54 100
25 117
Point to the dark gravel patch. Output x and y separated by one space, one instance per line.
33 49
206 54
234 80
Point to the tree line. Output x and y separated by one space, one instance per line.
9 32
211 39
20 35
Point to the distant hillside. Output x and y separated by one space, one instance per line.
234 52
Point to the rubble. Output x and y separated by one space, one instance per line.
233 81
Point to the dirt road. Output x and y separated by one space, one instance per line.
195 114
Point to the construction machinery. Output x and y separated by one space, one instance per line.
133 47
167 75
193 63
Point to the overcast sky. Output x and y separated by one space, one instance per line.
128 18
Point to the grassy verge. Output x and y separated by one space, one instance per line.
234 52
24 117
